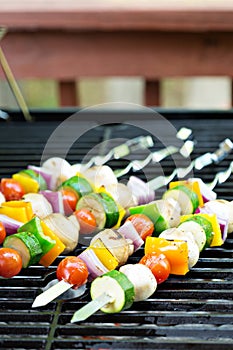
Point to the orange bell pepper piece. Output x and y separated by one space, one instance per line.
175 251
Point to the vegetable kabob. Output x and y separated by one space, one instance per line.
196 230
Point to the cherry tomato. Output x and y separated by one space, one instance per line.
86 220
158 264
10 262
12 189
70 199
73 270
2 232
142 224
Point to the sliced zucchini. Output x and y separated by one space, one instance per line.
187 199
103 207
27 245
35 176
78 184
197 231
118 286
207 227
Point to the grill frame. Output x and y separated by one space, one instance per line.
190 312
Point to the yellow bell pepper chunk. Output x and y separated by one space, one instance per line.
18 210
175 251
193 186
48 258
104 255
30 185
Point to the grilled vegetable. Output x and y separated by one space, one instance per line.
48 258
163 213
118 286
104 254
86 219
10 262
34 226
35 176
27 245
66 230
187 199
40 205
158 264
120 248
142 279
143 225
17 210
95 266
197 231
69 201
129 232
103 207
10 225
2 232
175 251
73 270
29 185
193 250
11 189
60 170
203 223
56 201
78 184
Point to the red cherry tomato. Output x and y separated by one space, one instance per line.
142 224
86 220
158 264
70 199
12 189
10 262
2 232
73 270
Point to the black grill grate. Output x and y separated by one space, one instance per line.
190 312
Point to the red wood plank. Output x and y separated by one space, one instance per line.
67 93
152 93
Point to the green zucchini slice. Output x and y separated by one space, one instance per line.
27 245
118 286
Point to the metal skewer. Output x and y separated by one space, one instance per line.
206 159
157 156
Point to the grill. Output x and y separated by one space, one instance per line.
190 312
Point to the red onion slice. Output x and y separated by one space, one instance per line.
129 232
55 199
140 190
11 225
94 265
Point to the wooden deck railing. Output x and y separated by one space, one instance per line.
67 40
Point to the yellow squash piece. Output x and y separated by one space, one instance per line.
175 251
30 185
18 210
